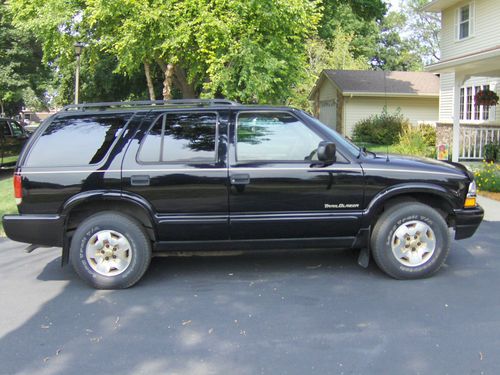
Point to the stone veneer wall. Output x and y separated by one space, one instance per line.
444 134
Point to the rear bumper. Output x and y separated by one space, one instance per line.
46 230
467 221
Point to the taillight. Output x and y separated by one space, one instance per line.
18 188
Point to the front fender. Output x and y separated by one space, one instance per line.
394 191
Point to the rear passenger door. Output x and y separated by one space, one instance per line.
177 162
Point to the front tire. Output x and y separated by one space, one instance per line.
410 241
110 251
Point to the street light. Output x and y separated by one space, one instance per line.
78 51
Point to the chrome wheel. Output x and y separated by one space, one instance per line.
413 243
108 253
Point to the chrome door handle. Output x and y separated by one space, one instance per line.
240 179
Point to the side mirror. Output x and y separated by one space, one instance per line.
326 152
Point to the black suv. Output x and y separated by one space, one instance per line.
115 183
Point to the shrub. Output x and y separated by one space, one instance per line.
414 140
429 134
488 177
491 151
382 129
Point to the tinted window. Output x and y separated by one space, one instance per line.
274 136
16 129
72 141
181 137
4 128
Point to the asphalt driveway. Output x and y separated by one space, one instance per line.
272 313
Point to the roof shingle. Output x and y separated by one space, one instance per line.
376 81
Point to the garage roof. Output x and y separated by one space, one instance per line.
375 82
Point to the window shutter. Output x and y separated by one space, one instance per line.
457 24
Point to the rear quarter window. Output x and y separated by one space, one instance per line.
76 140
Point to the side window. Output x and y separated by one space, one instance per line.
76 140
17 131
274 136
181 137
4 128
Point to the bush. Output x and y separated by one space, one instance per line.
491 151
416 141
488 177
383 129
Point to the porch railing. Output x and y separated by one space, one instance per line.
473 140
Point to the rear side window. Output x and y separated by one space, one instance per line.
4 129
76 141
180 137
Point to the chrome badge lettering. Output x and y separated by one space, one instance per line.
342 205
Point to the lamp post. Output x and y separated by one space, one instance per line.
78 51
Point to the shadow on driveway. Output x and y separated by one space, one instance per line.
267 313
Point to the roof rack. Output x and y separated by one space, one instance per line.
145 103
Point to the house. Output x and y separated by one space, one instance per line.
341 98
470 62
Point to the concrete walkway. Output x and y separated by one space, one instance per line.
491 208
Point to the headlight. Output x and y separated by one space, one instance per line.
470 201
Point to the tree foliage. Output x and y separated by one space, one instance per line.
268 51
21 71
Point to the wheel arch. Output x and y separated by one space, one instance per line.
81 206
433 195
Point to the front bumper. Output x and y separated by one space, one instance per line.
46 230
467 221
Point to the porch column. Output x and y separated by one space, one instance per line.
459 80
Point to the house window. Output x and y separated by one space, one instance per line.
462 103
469 103
469 110
477 108
464 22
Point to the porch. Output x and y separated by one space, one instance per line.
465 126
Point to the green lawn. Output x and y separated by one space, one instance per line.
7 202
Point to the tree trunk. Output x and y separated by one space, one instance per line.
3 109
168 73
149 81
182 83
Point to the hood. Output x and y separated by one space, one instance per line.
419 163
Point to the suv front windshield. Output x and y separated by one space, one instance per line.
339 139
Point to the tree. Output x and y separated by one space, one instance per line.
358 18
319 57
245 50
423 29
21 71
394 51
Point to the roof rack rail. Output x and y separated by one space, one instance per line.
145 103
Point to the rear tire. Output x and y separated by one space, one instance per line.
110 251
410 241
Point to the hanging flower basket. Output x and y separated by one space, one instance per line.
486 98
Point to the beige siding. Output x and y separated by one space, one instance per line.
327 91
416 109
485 31
328 104
447 84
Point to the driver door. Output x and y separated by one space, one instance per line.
279 189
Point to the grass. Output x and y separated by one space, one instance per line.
7 202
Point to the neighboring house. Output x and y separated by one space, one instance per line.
470 61
343 97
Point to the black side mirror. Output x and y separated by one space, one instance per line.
326 152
